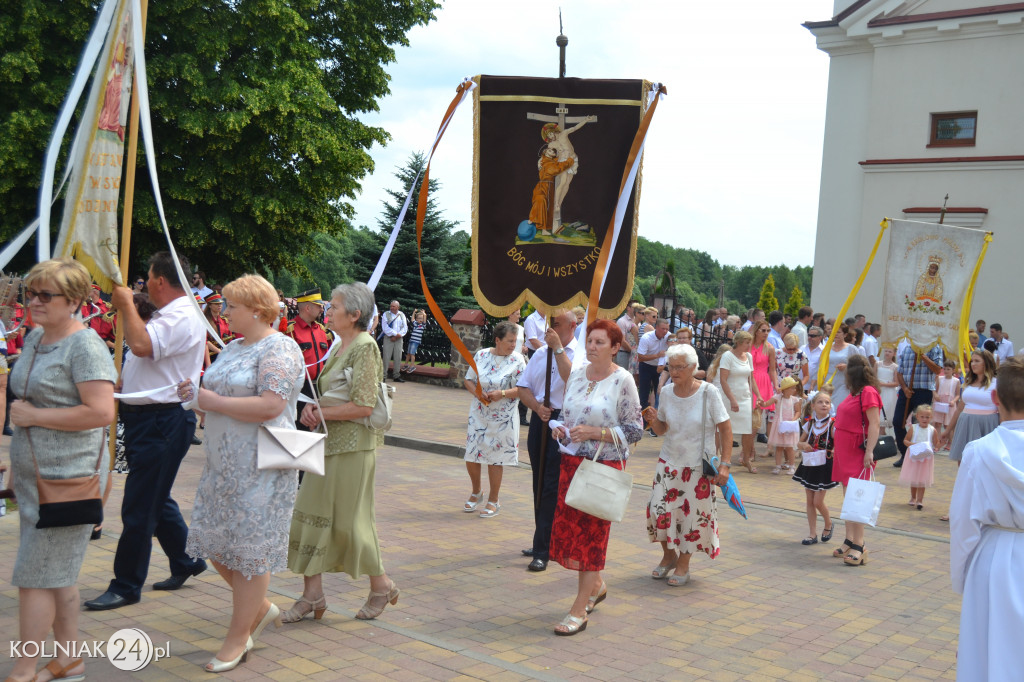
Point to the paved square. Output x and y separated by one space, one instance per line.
768 608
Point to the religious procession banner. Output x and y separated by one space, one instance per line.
548 161
929 284
88 231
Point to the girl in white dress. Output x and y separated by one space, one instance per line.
887 386
918 470
788 402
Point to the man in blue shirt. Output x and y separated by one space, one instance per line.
916 378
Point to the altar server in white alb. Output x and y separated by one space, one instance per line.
986 529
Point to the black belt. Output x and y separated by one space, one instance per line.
149 407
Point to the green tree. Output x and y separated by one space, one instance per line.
256 117
796 301
767 301
443 250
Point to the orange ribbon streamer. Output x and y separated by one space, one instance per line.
421 211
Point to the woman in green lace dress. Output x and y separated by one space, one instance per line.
333 525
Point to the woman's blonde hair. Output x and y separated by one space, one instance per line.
740 337
254 292
69 276
790 337
713 369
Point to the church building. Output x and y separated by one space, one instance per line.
925 99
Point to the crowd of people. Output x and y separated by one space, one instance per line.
695 383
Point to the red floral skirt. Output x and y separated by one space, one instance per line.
579 541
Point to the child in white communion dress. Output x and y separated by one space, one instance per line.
987 540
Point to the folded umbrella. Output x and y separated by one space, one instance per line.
731 493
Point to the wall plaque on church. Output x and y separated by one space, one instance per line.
548 157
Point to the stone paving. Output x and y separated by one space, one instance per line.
768 608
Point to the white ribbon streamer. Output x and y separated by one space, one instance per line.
89 57
143 394
580 359
385 255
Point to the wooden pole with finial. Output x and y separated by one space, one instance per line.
561 41
942 213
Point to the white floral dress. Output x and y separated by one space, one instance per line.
492 436
242 515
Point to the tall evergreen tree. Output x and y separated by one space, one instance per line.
443 250
796 301
767 302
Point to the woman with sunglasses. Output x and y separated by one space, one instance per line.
65 396
139 285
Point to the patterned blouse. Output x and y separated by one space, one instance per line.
612 402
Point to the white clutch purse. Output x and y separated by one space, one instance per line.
281 448
815 458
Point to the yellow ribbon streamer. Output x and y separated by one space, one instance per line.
823 362
965 310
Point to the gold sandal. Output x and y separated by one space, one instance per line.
370 610
303 608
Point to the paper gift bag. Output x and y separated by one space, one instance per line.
863 500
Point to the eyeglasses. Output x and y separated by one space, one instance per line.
43 296
140 282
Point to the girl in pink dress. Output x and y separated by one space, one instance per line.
920 466
780 437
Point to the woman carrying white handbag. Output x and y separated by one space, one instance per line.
601 415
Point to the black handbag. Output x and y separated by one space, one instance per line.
885 447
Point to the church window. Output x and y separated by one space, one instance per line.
957 129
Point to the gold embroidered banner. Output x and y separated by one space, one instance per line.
549 155
928 277
88 231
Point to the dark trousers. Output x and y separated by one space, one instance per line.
155 444
648 381
904 408
544 513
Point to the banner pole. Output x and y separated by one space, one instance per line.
126 228
544 428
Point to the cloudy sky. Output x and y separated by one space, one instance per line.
733 156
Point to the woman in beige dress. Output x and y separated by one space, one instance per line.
333 526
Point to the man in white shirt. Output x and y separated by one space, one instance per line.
803 320
651 348
756 315
812 351
199 285
777 322
870 344
629 332
532 385
534 327
394 327
165 351
1004 347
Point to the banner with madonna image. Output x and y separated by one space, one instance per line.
929 284
549 155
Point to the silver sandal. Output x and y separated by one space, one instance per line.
488 512
473 501
572 625
660 572
676 580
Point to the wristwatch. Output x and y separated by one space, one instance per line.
559 351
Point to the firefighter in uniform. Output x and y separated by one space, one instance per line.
313 337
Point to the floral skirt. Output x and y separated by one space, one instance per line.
682 510
579 541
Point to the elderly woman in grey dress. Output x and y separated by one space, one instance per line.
492 434
64 385
242 514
